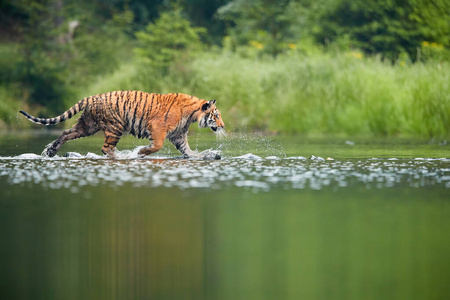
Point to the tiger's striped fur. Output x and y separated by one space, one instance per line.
144 115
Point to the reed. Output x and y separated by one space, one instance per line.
343 93
327 94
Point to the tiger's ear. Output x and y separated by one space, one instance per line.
208 105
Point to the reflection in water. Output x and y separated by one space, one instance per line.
165 243
248 227
125 246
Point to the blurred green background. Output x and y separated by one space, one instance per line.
289 66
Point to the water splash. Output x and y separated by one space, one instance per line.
248 171
220 134
249 156
238 144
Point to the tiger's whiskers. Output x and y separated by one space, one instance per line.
220 134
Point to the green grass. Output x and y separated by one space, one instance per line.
9 107
321 93
325 94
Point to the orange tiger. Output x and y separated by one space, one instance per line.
143 115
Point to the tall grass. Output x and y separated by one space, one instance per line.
9 106
294 93
340 94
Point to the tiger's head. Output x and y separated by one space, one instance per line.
210 117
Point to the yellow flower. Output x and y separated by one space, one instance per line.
292 46
256 44
355 54
425 43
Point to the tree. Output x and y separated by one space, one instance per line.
389 27
168 39
58 44
265 21
38 70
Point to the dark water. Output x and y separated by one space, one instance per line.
364 219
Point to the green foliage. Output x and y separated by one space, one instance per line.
262 24
98 47
388 27
271 72
9 106
432 19
433 51
60 45
169 39
321 93
36 69
327 94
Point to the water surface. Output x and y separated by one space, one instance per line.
282 217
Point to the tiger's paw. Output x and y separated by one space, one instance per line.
211 155
49 151
73 155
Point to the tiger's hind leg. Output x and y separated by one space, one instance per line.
157 143
111 140
81 129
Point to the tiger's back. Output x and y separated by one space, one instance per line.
133 111
144 115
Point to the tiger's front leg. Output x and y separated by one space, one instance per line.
181 143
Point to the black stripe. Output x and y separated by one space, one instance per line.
78 108
115 130
124 99
151 105
117 119
125 109
167 113
81 104
190 116
132 124
189 121
145 106
116 114
118 99
182 144
134 114
142 118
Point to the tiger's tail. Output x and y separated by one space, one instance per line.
61 118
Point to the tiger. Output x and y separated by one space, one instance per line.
143 115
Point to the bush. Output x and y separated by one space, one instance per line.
169 39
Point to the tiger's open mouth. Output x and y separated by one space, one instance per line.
214 128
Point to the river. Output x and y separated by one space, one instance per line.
278 217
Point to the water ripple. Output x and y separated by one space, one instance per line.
247 171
